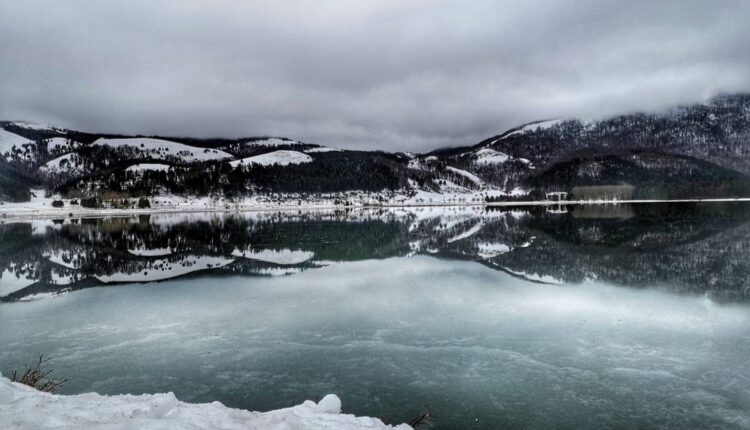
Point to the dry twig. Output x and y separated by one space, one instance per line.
38 377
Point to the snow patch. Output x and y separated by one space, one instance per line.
41 296
535 277
11 282
468 233
487 156
414 163
8 140
283 257
143 167
69 163
470 176
275 271
321 149
281 158
161 149
489 250
56 143
38 127
153 252
164 269
274 141
542 125
533 127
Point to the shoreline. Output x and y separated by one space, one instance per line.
24 407
614 202
21 214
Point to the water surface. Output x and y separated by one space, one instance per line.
588 317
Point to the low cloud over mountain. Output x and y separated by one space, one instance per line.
393 75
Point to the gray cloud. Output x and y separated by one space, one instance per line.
394 75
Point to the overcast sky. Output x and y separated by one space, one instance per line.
385 74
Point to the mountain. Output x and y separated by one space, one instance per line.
699 144
693 151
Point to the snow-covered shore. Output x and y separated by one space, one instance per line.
41 204
22 407
41 208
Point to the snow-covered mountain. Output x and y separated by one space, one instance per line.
691 151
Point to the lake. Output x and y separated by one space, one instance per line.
582 317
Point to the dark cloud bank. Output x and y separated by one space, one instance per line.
394 75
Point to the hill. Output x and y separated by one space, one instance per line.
693 151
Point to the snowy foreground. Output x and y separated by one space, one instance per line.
22 407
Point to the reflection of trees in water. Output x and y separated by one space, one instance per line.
603 211
697 248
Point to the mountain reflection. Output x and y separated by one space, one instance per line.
688 248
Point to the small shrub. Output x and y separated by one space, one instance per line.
143 203
57 203
120 204
91 202
38 377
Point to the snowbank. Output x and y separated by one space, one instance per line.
22 407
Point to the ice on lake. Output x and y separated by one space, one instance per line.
649 326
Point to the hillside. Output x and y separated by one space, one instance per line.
693 151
